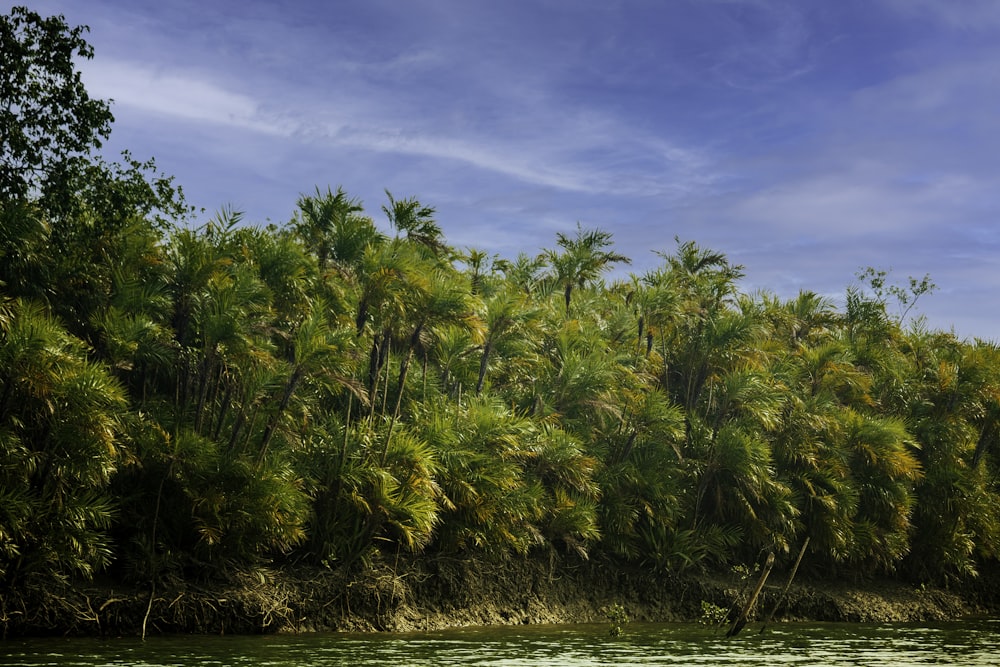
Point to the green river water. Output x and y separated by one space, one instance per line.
971 642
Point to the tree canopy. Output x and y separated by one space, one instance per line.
182 399
48 122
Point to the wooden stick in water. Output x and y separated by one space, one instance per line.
788 584
741 620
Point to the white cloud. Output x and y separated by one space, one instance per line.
763 43
180 95
831 205
580 156
971 15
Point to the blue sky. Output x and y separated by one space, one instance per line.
806 139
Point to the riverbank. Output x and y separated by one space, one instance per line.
448 592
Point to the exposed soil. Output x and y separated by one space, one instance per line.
450 592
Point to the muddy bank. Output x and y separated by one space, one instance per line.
448 592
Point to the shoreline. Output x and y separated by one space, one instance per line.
440 593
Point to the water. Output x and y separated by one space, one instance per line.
962 643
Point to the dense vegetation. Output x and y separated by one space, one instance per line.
181 397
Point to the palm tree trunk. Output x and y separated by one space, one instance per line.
423 378
227 399
272 424
252 424
483 365
376 362
403 370
216 388
5 398
404 367
373 364
207 365
153 567
350 403
241 418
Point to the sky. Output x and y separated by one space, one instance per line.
805 139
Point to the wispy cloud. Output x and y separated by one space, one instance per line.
872 199
971 15
584 152
806 139
180 95
756 45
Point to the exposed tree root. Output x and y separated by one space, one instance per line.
434 593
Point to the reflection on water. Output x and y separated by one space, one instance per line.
962 643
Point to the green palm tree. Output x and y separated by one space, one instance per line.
558 463
508 319
132 330
453 351
229 318
317 352
524 272
951 392
59 447
822 384
438 299
416 222
289 273
808 317
848 459
364 505
885 471
475 261
583 259
24 232
579 380
328 223
489 501
658 306
641 475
